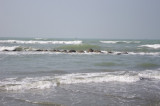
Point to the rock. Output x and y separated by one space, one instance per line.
110 52
57 50
45 50
141 78
53 50
90 50
72 51
64 51
80 51
97 51
125 52
18 49
119 53
39 50
5 50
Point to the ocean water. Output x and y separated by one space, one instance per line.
124 73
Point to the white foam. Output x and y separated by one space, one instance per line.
40 42
145 53
39 39
45 82
113 42
154 46
52 81
150 74
9 48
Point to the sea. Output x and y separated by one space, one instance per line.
98 72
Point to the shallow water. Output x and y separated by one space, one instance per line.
39 78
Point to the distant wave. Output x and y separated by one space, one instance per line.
40 42
113 42
39 38
77 78
145 53
154 46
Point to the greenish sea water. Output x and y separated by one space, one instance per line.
123 73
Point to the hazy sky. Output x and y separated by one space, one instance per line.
80 18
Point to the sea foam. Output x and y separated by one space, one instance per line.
52 81
45 82
154 46
40 42
113 42
9 48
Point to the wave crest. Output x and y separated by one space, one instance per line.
113 42
51 81
154 46
78 78
40 42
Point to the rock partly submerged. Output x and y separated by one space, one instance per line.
71 51
90 50
67 51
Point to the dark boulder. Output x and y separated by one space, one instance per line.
18 49
72 51
5 50
80 51
110 52
125 52
57 50
119 53
39 50
97 51
53 50
64 51
90 50
45 50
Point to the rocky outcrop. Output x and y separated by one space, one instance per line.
125 53
70 51
66 51
110 52
90 50
119 53
5 50
80 51
18 49
63 51
97 51
39 50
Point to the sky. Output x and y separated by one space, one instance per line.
109 19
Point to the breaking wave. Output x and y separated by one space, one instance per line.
78 78
40 42
8 48
51 81
154 46
113 42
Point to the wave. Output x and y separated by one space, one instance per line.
113 42
8 48
76 78
154 46
40 42
39 39
52 81
145 53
